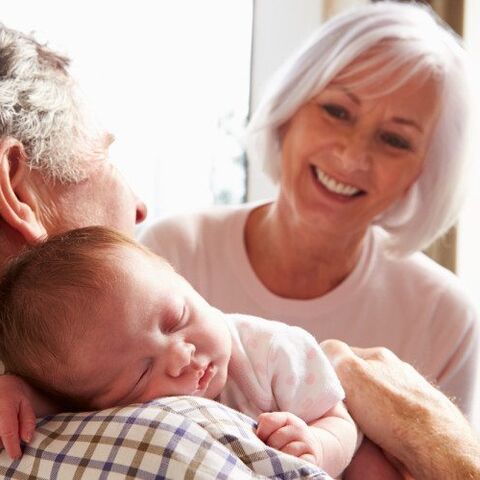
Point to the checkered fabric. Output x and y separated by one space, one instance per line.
170 438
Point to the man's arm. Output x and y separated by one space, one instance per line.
404 414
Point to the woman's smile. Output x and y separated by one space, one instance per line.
334 185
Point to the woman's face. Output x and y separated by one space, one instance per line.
347 156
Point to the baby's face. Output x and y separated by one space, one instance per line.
151 336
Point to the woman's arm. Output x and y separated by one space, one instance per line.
405 415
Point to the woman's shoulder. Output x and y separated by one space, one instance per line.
418 273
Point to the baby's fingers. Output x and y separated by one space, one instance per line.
11 443
27 421
299 449
308 457
9 431
270 422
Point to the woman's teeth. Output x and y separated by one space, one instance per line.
333 186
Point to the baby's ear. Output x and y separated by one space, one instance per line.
18 203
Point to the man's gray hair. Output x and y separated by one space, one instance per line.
40 107
417 42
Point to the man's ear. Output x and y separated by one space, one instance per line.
18 203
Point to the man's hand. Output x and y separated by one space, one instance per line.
289 434
17 418
404 414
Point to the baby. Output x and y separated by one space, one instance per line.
95 320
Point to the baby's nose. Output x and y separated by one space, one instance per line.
179 357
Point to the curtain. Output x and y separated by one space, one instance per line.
444 250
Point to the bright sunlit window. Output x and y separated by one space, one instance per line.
169 79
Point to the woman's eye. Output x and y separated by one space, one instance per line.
395 141
336 111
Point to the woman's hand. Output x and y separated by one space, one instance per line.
404 414
17 417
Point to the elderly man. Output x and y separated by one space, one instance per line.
55 172
55 175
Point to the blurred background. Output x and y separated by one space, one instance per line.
175 82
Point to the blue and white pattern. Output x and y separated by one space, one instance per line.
171 438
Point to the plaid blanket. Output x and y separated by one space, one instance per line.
170 438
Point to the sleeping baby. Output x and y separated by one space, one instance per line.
94 320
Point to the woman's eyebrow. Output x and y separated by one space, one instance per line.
408 122
348 93
351 96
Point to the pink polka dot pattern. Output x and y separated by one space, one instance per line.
260 369
307 404
311 354
276 357
310 380
290 380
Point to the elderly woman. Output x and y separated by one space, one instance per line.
365 130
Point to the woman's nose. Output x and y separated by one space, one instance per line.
180 356
354 155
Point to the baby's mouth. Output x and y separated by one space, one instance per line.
205 377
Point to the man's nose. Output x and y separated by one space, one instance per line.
141 212
180 356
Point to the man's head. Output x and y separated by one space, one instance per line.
54 172
97 320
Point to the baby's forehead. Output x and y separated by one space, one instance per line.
128 255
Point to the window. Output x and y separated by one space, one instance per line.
169 79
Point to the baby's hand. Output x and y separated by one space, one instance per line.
288 433
17 418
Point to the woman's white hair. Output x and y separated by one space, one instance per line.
41 108
416 43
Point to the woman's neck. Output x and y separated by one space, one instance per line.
294 260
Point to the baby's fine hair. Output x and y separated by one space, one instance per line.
47 294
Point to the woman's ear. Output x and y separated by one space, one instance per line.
18 203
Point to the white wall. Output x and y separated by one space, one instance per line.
160 75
